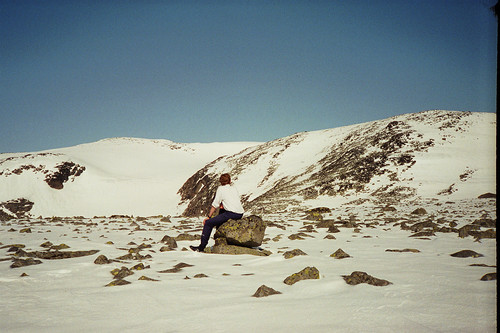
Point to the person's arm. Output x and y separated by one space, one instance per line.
212 211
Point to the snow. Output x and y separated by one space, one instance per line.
430 290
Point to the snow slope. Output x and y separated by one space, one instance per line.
432 154
121 176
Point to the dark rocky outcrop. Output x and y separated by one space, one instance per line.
17 208
64 171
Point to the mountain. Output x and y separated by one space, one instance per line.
112 176
431 154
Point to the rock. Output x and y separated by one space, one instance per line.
121 273
119 282
187 237
419 211
294 253
326 224
25 262
47 244
466 254
265 291
330 237
145 278
221 247
102 260
247 231
339 254
177 268
199 276
169 241
25 230
305 274
319 210
487 196
362 277
404 250
489 277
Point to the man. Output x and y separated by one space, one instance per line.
228 199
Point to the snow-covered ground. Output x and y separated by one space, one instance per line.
430 291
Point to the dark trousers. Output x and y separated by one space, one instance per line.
216 222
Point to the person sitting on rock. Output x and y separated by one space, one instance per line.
228 200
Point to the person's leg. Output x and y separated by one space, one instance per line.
215 222
209 225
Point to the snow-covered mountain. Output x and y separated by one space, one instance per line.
431 154
112 176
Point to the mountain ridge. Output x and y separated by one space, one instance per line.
398 158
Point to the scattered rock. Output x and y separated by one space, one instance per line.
466 254
25 230
187 237
489 277
199 276
101 260
487 196
169 241
305 274
339 254
120 273
24 262
404 250
294 253
419 211
264 291
119 282
362 277
145 278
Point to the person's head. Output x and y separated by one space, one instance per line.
225 179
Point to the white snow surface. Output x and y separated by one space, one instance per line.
122 176
430 291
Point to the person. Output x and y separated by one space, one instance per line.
228 200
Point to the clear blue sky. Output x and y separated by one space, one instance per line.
79 71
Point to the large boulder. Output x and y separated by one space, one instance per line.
247 231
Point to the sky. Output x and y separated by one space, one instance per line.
74 72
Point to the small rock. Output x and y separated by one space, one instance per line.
293 253
466 254
362 277
145 278
121 273
419 211
25 262
119 282
305 274
199 276
169 241
25 230
101 260
489 277
264 291
339 254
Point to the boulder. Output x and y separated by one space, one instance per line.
221 247
247 231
